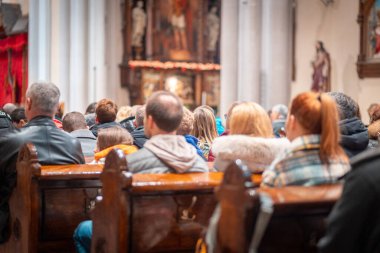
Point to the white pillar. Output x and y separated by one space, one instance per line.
78 77
97 86
229 54
249 47
39 40
276 50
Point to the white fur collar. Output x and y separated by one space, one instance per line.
256 152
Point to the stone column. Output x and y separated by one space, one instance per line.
229 54
276 52
78 74
249 47
39 40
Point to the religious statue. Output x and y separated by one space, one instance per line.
178 23
377 36
138 24
322 69
213 28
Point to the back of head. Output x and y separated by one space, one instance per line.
123 113
73 121
375 115
250 118
347 107
317 114
9 108
112 136
106 111
165 108
18 114
228 114
91 108
187 123
140 114
280 111
204 124
44 97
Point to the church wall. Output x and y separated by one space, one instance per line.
336 26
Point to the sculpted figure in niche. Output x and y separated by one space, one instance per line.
213 28
321 66
138 24
178 23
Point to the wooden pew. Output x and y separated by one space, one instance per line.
150 212
296 225
48 202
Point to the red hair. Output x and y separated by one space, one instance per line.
317 114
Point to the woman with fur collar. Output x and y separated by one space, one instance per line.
251 139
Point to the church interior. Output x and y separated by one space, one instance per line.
215 56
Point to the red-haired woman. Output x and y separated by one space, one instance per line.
315 156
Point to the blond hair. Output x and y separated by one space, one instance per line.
108 137
187 123
204 125
249 118
123 113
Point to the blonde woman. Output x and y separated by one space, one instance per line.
251 139
204 129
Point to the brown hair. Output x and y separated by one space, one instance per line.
108 137
228 115
106 111
73 121
375 114
317 114
204 124
249 118
187 123
166 110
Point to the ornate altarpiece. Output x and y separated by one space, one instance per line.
172 45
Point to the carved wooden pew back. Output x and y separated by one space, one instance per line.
151 212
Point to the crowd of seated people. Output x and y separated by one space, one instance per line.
316 141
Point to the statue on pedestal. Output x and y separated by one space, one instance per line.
138 28
322 69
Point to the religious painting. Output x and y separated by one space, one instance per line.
373 45
211 82
177 29
182 85
151 81
368 63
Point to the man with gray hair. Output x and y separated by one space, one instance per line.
278 116
54 146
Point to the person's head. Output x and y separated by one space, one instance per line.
108 137
134 110
60 110
123 113
41 100
140 115
204 124
90 119
279 111
163 114
73 121
250 118
187 123
370 110
91 108
347 107
319 46
8 108
314 113
227 116
18 117
105 111
375 116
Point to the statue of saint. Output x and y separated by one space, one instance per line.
138 24
178 23
322 69
213 28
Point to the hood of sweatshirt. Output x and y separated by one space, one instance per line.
173 150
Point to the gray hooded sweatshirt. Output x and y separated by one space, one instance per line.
166 154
